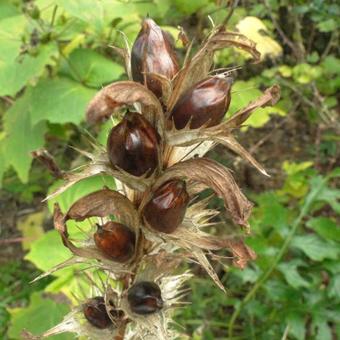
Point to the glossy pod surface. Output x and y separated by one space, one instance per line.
145 298
152 52
95 313
115 241
205 102
166 209
132 145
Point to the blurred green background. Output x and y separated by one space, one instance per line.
55 55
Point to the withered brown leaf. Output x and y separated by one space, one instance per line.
241 252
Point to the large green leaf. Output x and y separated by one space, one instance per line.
23 68
7 9
89 11
22 136
17 69
315 248
10 30
334 287
291 274
325 227
60 100
91 68
48 251
296 323
41 314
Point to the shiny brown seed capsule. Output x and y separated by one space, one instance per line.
166 209
116 241
152 52
145 298
132 145
205 102
95 313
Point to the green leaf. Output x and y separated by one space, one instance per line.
17 72
189 7
41 314
323 331
332 197
315 248
10 29
89 11
325 227
291 274
327 25
7 9
334 287
291 168
31 228
331 65
91 68
296 323
3 164
60 100
78 190
22 136
245 92
48 251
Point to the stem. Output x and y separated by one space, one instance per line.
304 211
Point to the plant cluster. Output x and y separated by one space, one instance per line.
171 117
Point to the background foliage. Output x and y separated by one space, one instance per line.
55 55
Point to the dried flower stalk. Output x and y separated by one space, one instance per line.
173 114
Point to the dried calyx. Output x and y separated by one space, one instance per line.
95 313
204 103
115 241
153 53
166 209
132 145
145 298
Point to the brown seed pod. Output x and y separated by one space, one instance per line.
166 209
152 52
132 145
205 102
95 313
145 298
116 241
